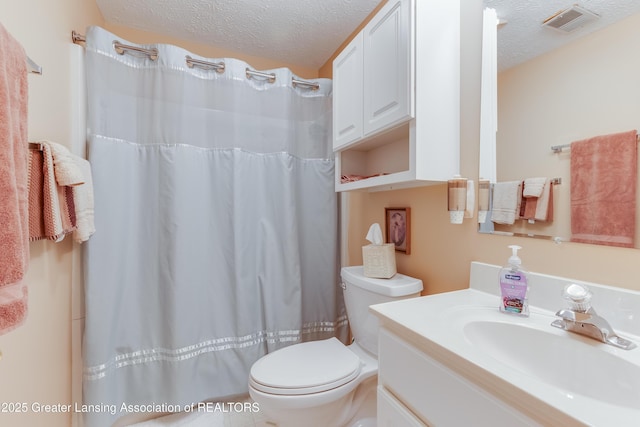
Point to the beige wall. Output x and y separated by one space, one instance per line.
36 367
441 252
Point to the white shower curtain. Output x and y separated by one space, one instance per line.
216 222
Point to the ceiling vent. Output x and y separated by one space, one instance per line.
570 19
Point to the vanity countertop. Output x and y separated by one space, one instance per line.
553 376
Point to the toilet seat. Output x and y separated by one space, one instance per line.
306 368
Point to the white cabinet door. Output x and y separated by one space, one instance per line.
387 67
347 94
434 392
392 413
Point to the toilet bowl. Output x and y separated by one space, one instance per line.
326 383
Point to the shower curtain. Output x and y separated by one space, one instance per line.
216 223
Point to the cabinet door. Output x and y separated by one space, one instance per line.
388 72
434 392
347 94
392 413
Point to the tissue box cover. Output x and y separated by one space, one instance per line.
379 261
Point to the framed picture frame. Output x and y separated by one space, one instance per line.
398 228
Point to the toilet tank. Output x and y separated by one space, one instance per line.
360 292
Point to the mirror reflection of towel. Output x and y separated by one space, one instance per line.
603 189
540 208
506 202
533 187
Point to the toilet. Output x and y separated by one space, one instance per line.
326 383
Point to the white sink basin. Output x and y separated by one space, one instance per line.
570 363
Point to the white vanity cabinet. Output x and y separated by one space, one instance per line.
392 413
427 393
396 97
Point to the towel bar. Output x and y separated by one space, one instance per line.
559 148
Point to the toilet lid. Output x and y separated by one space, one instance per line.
310 367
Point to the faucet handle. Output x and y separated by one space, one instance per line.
578 296
575 316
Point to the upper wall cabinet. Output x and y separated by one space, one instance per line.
372 77
348 90
388 74
396 98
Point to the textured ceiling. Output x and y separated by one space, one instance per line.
301 32
523 37
307 32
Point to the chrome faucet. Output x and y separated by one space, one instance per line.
582 319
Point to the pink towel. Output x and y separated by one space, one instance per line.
36 195
13 306
14 220
53 213
603 189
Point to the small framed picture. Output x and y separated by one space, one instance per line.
398 230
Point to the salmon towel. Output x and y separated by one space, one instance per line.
36 195
14 220
13 306
603 189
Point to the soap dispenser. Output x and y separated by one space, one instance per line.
514 286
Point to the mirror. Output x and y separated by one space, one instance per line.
554 88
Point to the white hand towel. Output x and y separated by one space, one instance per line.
533 187
544 207
83 201
66 169
506 204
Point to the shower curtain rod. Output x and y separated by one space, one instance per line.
219 67
271 78
119 47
